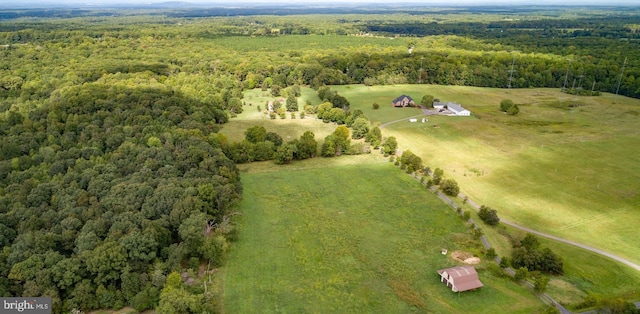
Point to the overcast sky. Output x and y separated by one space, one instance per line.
422 2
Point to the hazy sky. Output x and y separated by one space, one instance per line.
422 2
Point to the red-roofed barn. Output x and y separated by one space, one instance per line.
460 278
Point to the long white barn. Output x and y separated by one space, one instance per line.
457 109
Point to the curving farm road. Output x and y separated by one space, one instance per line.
542 234
543 296
546 235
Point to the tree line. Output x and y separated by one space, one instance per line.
583 53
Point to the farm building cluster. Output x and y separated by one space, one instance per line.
457 109
449 108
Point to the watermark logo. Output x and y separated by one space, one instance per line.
25 305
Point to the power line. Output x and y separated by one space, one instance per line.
621 73
580 81
420 78
566 77
513 62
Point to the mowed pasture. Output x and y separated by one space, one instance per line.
362 238
288 128
565 165
585 273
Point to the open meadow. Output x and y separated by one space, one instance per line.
565 165
352 238
545 156
586 274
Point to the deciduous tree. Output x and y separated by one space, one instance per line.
427 101
360 128
307 146
284 154
256 134
389 145
292 103
488 215
106 262
437 176
450 187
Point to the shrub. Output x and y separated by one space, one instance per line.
357 149
437 176
540 285
513 110
504 262
488 215
491 253
521 274
375 105
310 109
505 104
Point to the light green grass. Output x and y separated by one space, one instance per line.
570 171
585 273
333 240
362 97
288 128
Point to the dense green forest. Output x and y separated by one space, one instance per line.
580 53
114 183
107 187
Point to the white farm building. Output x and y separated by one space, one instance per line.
458 110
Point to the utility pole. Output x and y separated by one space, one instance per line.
513 62
580 81
621 73
420 78
566 77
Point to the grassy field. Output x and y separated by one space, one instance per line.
329 238
288 128
585 274
566 170
566 165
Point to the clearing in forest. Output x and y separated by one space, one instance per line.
361 238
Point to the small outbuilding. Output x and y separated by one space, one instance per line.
460 278
439 105
403 101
